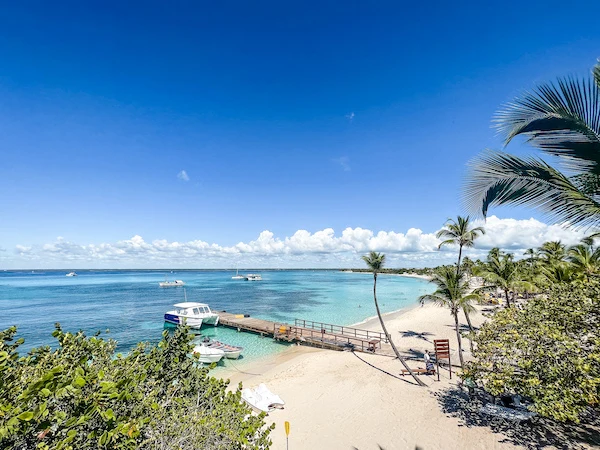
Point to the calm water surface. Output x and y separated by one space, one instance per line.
131 305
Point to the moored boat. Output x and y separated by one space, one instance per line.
208 354
231 351
253 277
71 274
168 283
192 314
237 276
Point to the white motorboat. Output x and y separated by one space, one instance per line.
208 354
253 277
231 351
237 276
168 283
262 398
192 314
71 274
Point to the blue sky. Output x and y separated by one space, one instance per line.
285 117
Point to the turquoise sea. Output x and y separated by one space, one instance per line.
131 304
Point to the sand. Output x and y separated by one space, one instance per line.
335 400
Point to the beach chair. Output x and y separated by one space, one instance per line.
419 371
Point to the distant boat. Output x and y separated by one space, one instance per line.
71 274
253 277
168 283
237 276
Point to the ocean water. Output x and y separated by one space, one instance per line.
131 304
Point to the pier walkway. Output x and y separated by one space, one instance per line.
306 332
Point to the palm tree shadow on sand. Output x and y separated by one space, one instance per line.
424 335
539 435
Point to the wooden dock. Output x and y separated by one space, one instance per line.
305 332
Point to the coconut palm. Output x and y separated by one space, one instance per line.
452 292
562 120
460 233
502 272
375 261
553 252
585 260
532 253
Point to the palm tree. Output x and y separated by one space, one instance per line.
375 261
562 120
553 252
502 272
532 253
452 292
460 233
585 260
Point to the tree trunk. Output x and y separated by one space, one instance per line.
507 299
458 263
460 355
471 329
385 331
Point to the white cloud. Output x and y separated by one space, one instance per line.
344 163
302 249
350 117
183 176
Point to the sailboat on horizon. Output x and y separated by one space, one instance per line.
237 276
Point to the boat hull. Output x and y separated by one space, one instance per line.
208 355
175 319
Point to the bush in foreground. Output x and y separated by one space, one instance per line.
81 395
548 352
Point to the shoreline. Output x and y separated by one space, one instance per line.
349 387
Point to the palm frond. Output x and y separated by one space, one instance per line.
498 178
562 119
596 74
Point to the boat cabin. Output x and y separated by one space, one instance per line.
192 309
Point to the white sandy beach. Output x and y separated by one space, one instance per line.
336 401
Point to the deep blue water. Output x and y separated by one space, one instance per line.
131 304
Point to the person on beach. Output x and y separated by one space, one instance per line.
428 363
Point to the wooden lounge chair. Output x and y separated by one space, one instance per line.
421 371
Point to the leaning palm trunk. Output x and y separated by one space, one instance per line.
388 336
471 329
457 326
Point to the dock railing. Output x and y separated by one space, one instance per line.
298 333
339 329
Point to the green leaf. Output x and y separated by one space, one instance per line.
25 416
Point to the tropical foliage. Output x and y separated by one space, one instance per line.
81 395
562 120
548 352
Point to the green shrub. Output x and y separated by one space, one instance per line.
81 395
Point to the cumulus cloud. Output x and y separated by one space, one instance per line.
323 248
183 176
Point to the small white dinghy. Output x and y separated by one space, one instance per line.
262 399
208 355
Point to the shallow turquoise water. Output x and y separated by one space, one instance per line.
131 305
